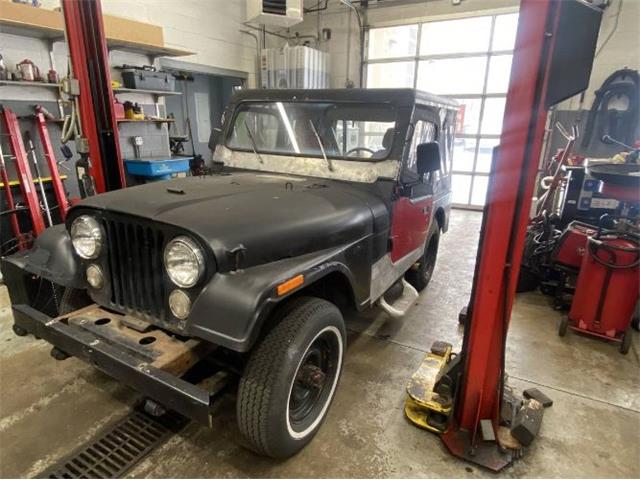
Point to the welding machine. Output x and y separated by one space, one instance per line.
608 284
581 198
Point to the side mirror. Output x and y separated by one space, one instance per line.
427 158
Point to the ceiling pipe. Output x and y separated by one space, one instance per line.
349 4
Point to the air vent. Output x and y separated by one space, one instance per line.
275 7
281 13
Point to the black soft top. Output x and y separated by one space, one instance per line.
400 97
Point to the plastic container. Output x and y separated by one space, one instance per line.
157 169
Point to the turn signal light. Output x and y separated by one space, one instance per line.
290 284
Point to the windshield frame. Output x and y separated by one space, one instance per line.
237 109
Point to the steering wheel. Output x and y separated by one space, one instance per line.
357 149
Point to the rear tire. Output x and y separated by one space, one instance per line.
420 273
291 378
564 325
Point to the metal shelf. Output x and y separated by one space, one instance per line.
159 93
14 83
157 120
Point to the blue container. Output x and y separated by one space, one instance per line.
157 168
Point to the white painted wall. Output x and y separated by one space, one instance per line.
211 28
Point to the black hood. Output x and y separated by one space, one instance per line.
272 216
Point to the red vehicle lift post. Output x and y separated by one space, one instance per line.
47 147
90 64
29 194
551 62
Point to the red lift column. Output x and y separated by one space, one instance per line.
548 67
90 63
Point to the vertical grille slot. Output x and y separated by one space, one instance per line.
135 267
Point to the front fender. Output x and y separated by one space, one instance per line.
51 258
233 306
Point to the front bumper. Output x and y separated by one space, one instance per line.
153 367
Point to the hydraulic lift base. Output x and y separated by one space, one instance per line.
485 454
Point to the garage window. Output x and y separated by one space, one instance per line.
467 59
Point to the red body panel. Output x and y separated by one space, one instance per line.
606 297
571 245
410 225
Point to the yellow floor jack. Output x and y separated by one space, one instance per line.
430 390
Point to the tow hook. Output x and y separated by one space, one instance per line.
58 354
153 408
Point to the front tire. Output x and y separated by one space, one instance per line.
291 378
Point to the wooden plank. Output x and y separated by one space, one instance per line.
124 30
43 22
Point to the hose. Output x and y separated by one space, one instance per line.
619 124
71 127
594 244
545 182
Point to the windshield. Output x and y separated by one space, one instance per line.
314 129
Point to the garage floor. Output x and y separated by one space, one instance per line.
47 408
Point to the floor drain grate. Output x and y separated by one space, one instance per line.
117 449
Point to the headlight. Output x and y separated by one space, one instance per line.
183 261
86 237
179 304
95 278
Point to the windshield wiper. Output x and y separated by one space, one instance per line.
324 155
253 141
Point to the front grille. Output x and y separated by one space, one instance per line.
135 267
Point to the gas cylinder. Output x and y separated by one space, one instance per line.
608 287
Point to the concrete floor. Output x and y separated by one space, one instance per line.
47 408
